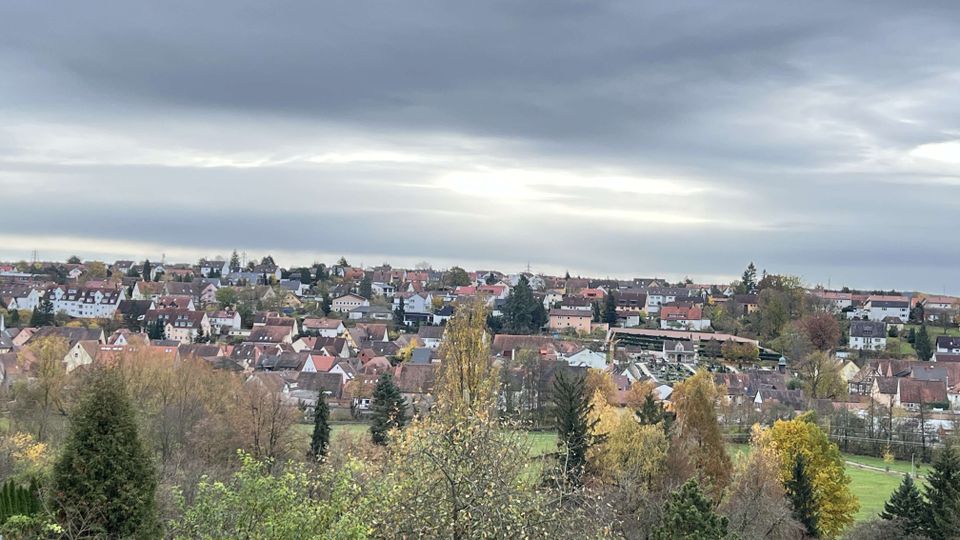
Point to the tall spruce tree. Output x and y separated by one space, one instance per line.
43 313
389 409
320 440
400 314
104 480
907 505
610 309
922 344
519 309
146 270
943 495
572 409
803 499
688 514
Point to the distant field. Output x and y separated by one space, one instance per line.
873 488
933 330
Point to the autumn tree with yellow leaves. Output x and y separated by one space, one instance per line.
788 439
698 431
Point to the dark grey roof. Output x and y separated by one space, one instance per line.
868 329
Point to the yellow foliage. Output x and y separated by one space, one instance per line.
628 451
600 380
695 402
638 393
802 436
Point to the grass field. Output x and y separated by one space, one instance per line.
541 442
933 330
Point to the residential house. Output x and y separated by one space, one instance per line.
443 315
658 296
745 304
948 344
588 358
272 334
414 302
19 296
877 308
683 316
85 302
371 313
576 319
225 322
430 336
215 267
323 327
631 300
180 324
868 335
347 302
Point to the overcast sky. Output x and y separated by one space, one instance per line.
600 137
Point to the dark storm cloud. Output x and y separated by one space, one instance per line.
797 134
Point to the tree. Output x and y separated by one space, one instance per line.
595 309
366 287
824 464
227 296
906 504
610 309
802 497
389 409
689 514
822 329
625 453
574 428
748 282
467 377
74 260
43 314
456 277
922 344
943 495
342 262
756 504
699 431
40 398
156 330
519 309
821 376
254 503
321 428
14 318
234 261
598 380
326 304
146 270
104 477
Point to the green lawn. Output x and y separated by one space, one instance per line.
900 346
933 330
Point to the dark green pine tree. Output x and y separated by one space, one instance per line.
366 287
518 311
43 314
400 314
326 304
14 319
943 495
389 409
104 479
597 314
321 428
146 270
572 409
803 499
610 309
155 330
688 514
906 504
922 344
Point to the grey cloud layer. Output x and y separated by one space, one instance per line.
358 127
